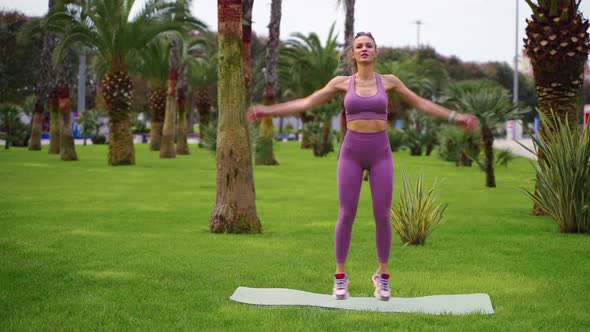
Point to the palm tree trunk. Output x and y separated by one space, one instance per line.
182 144
203 105
235 208
348 38
67 149
264 144
487 138
305 119
157 100
36 128
117 88
247 45
54 124
167 149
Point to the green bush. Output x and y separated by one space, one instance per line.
458 145
417 214
563 179
396 138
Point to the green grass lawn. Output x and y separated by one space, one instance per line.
84 246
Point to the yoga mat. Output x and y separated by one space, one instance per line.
460 304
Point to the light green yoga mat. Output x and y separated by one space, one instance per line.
460 304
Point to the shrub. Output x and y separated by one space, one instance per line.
458 145
418 214
396 138
563 179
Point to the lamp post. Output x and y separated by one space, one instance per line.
418 24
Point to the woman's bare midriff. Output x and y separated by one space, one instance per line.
367 126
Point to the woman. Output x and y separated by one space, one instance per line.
365 146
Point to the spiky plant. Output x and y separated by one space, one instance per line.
107 28
418 214
557 43
563 180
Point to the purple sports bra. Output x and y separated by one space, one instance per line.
359 107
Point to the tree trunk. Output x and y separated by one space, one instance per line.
235 208
264 144
42 87
117 89
36 128
487 138
305 119
157 101
182 144
247 44
203 105
54 124
348 39
167 149
67 149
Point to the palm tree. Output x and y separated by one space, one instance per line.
235 209
247 44
492 105
152 65
105 26
67 147
176 74
557 43
306 66
202 75
264 143
348 6
42 87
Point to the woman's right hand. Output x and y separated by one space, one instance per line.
257 112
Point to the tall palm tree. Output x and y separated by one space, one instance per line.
306 66
235 209
107 28
176 74
67 147
202 76
492 105
247 44
264 143
152 65
167 149
348 6
557 43
42 87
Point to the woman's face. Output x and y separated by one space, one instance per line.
364 50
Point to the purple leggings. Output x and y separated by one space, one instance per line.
361 151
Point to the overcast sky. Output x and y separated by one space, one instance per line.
473 30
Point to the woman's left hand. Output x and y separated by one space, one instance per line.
467 121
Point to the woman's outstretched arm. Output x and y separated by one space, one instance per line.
317 98
467 121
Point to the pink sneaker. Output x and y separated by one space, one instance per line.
340 290
381 283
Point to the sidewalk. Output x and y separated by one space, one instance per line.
515 148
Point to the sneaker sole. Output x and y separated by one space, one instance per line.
341 297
